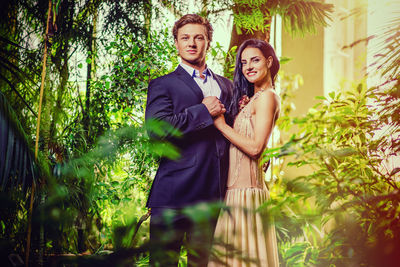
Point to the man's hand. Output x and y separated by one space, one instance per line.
214 106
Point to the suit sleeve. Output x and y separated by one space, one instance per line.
160 107
229 91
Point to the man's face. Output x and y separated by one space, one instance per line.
192 44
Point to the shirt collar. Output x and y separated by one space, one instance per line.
195 73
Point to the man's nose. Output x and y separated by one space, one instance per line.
192 42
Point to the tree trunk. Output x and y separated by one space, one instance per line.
86 111
42 128
83 220
94 43
91 75
61 61
147 17
61 88
45 133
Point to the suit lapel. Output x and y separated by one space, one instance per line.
184 76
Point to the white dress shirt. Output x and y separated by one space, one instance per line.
208 85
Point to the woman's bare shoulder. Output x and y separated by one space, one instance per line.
268 97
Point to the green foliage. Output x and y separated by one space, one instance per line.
343 210
351 190
17 164
110 182
18 171
300 16
252 17
129 16
10 72
225 59
303 16
137 61
299 254
102 193
103 166
102 180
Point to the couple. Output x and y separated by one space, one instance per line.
225 128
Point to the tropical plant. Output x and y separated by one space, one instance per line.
71 201
345 212
17 172
252 19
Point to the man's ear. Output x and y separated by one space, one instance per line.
208 45
176 46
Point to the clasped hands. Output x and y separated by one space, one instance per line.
216 109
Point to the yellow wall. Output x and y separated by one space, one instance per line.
322 60
307 54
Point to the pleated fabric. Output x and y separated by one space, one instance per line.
244 236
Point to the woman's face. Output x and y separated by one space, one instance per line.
255 67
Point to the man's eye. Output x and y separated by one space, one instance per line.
200 38
184 38
256 60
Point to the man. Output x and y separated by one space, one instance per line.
188 99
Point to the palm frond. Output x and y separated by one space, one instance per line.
389 60
302 16
17 167
299 16
10 71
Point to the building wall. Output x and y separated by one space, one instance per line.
345 51
323 60
307 59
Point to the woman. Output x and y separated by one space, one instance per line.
244 238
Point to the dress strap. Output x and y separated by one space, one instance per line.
258 94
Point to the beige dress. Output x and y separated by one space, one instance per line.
242 236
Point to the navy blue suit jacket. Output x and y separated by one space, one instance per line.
200 173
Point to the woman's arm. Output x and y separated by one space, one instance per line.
266 107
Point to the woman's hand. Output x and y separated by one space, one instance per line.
219 121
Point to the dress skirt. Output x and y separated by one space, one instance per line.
243 235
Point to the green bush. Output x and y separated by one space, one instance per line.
346 211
